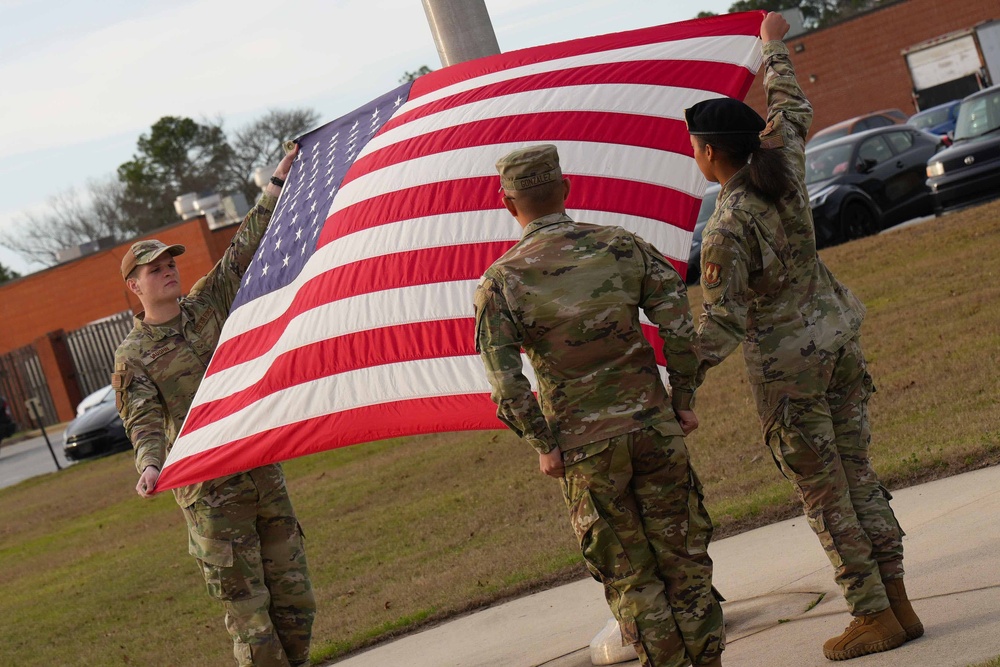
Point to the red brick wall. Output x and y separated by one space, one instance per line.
857 64
76 293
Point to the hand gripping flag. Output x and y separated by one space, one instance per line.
354 321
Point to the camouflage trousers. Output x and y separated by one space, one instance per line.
816 425
251 551
636 507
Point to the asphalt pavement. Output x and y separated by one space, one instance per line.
783 603
30 458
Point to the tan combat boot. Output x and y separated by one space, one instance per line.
902 609
866 634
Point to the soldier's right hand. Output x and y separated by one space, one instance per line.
773 27
551 464
688 420
147 481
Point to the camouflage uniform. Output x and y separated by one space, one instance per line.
570 294
765 287
241 528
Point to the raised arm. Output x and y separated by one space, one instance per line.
789 113
224 279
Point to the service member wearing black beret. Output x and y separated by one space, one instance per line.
766 288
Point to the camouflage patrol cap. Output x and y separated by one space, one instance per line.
529 167
144 252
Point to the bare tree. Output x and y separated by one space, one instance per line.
178 156
72 218
258 144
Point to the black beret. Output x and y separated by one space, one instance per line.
723 115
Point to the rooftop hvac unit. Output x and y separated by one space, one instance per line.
208 203
262 175
185 206
88 248
229 211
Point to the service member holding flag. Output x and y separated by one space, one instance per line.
241 528
766 288
570 293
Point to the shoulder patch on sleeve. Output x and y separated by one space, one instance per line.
719 255
713 274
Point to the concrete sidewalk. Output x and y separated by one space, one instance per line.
772 577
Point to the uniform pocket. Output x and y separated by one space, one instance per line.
668 429
602 550
888 497
699 532
793 451
216 552
216 560
818 524
628 628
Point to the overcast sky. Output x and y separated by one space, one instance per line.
82 79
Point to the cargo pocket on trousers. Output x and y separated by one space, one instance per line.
818 524
867 389
602 550
699 532
888 497
213 555
629 629
793 452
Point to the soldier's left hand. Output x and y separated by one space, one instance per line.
285 166
551 464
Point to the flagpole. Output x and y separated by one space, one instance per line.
462 30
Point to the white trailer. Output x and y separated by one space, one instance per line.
954 65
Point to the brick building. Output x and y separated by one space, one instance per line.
37 310
856 66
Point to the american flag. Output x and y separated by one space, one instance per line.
354 321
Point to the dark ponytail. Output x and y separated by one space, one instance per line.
768 173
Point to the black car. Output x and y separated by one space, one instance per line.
99 430
7 425
969 171
704 213
865 182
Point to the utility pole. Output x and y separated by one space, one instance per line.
462 30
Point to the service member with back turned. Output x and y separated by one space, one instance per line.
570 293
241 528
765 287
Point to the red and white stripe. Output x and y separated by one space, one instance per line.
374 339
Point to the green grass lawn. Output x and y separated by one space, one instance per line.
407 532
995 662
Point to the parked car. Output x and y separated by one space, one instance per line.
969 171
8 426
857 124
99 430
704 213
939 120
863 183
94 399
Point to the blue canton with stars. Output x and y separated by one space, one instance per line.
325 155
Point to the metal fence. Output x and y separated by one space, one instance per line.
21 378
93 350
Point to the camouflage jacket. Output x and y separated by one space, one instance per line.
158 368
764 285
569 294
